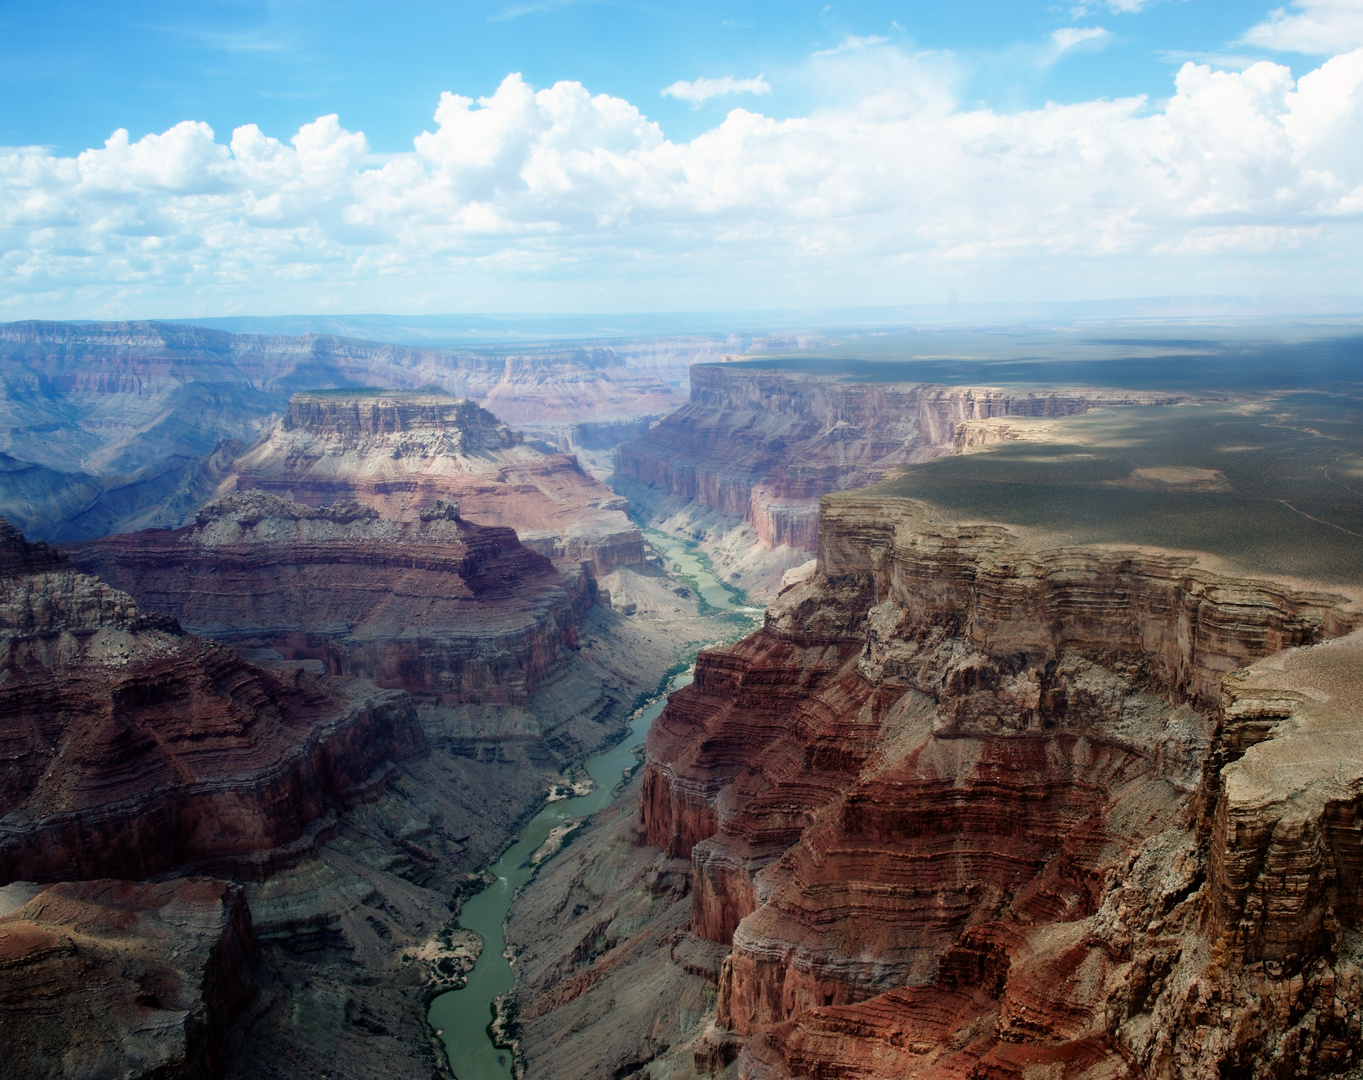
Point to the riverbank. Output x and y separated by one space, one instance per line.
469 1019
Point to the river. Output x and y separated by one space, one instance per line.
463 1015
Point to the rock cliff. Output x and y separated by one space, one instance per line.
451 611
131 748
760 447
93 416
111 978
970 806
402 452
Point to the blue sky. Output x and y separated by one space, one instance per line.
75 71
873 149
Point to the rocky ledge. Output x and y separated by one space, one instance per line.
451 611
112 978
969 806
399 452
131 748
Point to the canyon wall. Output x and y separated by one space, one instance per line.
131 748
399 453
93 430
761 446
450 611
115 978
965 806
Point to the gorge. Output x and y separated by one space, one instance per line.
966 806
1041 760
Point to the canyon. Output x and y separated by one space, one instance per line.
981 796
115 427
972 805
742 465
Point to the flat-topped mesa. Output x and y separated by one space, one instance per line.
350 416
400 453
131 748
451 611
959 760
764 445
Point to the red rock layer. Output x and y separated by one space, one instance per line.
399 453
129 980
130 748
937 764
765 445
443 608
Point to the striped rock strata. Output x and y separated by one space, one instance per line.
130 748
758 448
400 452
964 807
451 611
114 978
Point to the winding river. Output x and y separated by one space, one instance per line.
463 1015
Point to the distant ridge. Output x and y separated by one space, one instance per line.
502 329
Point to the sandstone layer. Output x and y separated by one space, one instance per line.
399 453
95 417
131 748
448 610
757 448
111 978
970 807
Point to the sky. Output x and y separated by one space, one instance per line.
284 156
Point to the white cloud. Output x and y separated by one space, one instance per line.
1315 27
699 91
851 42
553 197
1069 38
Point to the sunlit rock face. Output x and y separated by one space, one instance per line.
451 611
117 978
131 748
400 453
763 446
966 806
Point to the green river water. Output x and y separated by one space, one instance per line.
462 1016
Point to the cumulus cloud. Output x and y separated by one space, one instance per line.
699 91
855 203
1315 27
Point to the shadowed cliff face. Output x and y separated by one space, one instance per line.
450 611
966 807
124 979
400 453
131 748
763 446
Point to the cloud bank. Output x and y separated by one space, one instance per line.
554 197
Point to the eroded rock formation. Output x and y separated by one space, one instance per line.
93 431
969 807
451 611
112 978
761 446
399 453
131 748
